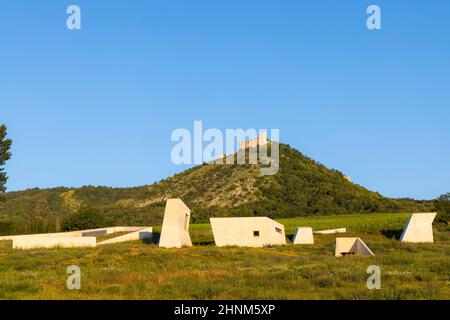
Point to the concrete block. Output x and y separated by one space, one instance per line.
419 228
247 232
175 228
303 236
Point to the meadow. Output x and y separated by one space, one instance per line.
139 270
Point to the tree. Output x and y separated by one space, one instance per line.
5 155
442 205
85 218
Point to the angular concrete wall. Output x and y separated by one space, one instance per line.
247 232
303 236
352 246
175 228
72 239
53 242
419 228
75 234
331 231
141 234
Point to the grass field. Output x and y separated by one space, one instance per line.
143 271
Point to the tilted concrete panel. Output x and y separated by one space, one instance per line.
419 228
331 231
247 232
356 246
303 236
175 228
141 234
53 242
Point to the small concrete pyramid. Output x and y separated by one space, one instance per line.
354 246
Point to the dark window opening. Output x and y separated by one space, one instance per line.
256 233
278 230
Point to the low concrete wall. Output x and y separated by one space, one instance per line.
75 234
331 231
144 233
53 242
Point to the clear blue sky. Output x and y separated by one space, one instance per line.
98 106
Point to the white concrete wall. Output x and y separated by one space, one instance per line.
144 233
53 242
74 234
419 228
241 232
331 231
175 228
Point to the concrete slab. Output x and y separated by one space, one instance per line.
25 243
331 231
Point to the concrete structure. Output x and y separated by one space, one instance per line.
331 231
175 228
303 236
419 228
141 234
76 239
356 246
261 140
54 242
74 234
247 232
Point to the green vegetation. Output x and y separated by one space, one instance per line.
143 271
5 155
86 218
442 205
302 187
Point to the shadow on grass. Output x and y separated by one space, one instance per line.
392 233
203 243
152 240
290 237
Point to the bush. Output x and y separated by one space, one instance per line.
85 218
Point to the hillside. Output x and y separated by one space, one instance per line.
302 187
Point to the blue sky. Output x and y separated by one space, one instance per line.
97 106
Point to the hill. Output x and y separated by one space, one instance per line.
302 187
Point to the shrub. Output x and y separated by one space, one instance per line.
85 218
442 205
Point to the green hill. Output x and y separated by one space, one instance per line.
302 187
